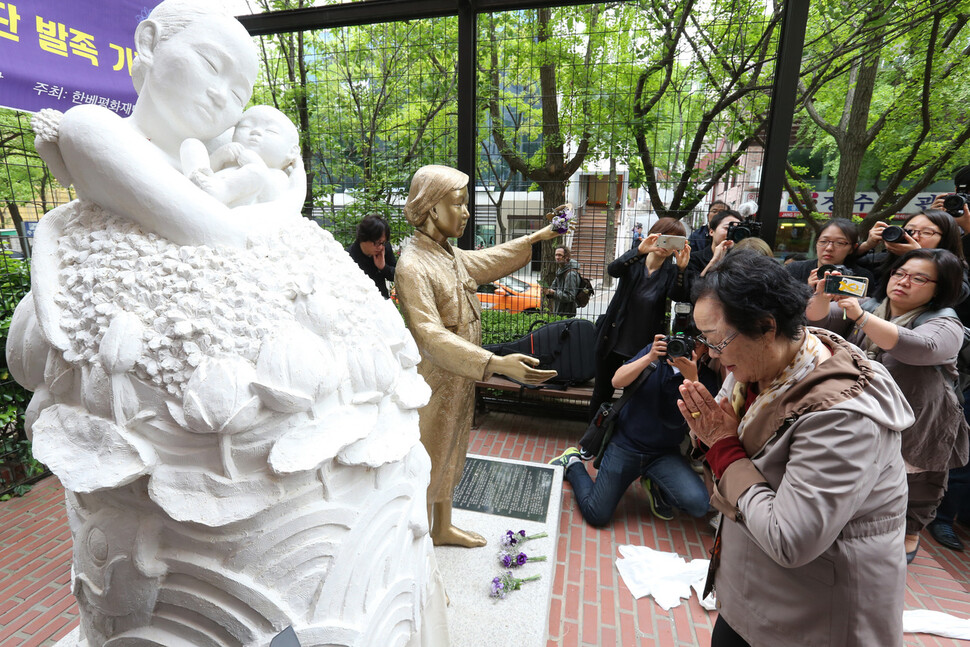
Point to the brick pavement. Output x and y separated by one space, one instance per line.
590 606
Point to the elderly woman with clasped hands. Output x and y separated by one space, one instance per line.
803 449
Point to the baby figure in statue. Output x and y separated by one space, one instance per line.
254 167
230 404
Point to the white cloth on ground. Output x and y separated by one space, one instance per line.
668 577
924 621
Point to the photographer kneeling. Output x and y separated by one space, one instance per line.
646 442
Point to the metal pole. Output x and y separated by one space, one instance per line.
467 132
781 114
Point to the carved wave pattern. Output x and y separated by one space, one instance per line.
347 571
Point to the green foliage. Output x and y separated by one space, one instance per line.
14 284
885 100
499 327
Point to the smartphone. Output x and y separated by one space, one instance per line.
850 286
675 243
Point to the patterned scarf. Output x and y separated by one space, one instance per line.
810 353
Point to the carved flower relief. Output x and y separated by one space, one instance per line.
373 370
219 397
122 343
295 369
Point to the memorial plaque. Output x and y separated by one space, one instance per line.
505 489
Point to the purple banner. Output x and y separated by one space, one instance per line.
62 53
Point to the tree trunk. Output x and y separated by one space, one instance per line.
553 195
854 137
18 224
610 224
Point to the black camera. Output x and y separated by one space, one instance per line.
747 228
893 234
680 345
841 269
953 204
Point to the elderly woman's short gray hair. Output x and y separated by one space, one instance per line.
428 186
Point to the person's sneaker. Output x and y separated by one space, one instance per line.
564 458
658 505
945 535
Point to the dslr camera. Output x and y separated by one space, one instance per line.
680 345
747 228
893 234
679 342
953 203
841 269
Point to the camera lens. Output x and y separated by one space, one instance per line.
740 233
820 272
954 202
892 233
679 346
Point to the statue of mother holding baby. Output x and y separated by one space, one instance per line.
234 418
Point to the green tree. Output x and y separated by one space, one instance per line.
531 60
25 178
701 95
884 100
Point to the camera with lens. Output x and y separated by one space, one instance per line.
893 234
680 345
679 342
953 204
747 228
841 269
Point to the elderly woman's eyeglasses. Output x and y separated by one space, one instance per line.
717 348
915 279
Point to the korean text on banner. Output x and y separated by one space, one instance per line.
62 53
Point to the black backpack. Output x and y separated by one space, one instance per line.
566 346
585 291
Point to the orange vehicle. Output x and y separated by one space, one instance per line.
512 294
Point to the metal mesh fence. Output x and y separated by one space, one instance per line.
630 111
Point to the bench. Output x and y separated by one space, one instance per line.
501 393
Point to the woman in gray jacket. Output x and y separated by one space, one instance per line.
803 447
915 334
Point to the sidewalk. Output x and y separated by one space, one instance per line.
590 605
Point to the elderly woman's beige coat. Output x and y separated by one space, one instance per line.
436 287
812 540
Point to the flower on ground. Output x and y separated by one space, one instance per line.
505 583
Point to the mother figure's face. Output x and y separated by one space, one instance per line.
201 77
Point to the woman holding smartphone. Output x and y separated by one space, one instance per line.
916 335
649 275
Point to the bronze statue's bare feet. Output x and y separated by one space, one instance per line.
452 536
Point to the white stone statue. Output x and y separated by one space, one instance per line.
227 399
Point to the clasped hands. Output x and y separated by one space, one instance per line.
709 420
